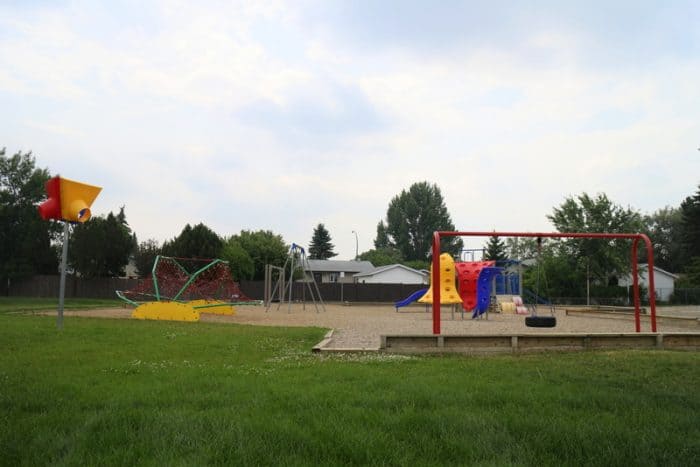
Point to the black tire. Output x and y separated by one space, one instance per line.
540 321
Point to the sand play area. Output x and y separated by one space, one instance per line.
359 326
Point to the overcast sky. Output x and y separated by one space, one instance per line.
281 115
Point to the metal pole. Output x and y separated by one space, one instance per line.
62 286
356 251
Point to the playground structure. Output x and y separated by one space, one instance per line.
436 269
296 260
472 287
179 289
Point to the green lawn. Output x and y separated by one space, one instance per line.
27 304
121 392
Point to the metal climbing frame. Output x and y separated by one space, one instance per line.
296 259
630 236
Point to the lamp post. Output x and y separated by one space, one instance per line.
355 244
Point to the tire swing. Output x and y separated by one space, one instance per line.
535 321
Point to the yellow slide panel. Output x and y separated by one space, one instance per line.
170 311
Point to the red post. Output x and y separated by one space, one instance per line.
635 285
652 286
435 283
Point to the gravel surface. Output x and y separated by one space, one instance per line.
360 326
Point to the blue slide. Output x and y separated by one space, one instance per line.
410 299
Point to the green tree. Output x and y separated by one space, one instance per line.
521 247
665 229
240 263
382 256
495 249
25 239
412 218
145 256
321 246
691 274
263 247
102 246
194 242
382 239
601 259
690 225
559 274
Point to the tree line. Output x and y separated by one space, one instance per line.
105 245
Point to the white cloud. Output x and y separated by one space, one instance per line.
252 115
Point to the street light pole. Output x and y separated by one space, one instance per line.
355 244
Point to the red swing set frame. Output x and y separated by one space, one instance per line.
630 236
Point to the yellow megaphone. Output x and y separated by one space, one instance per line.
76 199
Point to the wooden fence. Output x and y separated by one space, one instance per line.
76 287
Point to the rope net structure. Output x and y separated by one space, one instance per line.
186 280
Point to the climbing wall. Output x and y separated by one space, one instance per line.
448 291
467 279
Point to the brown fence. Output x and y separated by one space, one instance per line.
76 287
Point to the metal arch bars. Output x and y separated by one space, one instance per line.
630 236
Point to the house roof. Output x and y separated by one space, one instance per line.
381 269
329 265
657 269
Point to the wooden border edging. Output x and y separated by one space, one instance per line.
321 345
520 343
662 319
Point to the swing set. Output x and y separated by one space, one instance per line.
549 321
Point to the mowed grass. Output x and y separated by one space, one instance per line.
31 304
122 392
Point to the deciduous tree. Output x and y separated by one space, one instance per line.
600 258
240 263
25 239
412 218
145 256
263 247
665 229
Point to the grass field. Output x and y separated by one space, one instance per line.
29 304
122 392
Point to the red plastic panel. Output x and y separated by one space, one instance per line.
467 279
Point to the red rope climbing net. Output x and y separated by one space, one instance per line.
185 279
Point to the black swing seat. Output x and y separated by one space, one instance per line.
540 321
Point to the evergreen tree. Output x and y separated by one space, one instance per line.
495 249
194 242
321 246
102 246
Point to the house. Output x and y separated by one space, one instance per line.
663 281
393 274
327 270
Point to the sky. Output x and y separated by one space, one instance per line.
280 115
